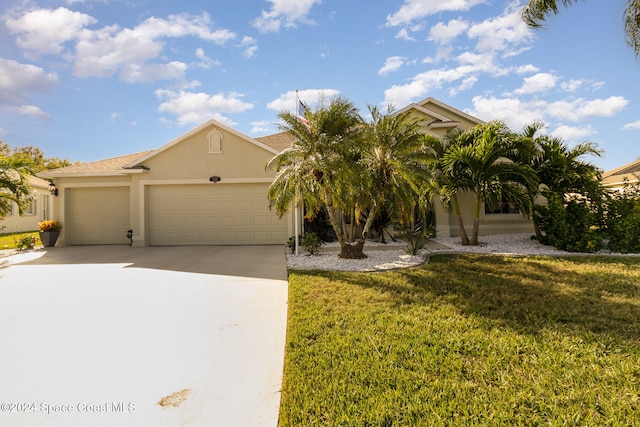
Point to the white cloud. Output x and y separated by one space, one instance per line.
392 64
262 127
537 83
524 69
44 31
18 81
403 34
413 10
571 133
111 50
287 101
518 113
205 62
506 32
632 126
284 12
250 46
423 83
444 33
29 110
196 108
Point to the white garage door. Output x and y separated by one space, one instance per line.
97 216
214 214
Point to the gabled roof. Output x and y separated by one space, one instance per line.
113 166
440 119
617 176
34 181
138 162
279 141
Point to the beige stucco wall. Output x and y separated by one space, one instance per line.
29 221
447 222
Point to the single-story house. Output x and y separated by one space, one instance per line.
208 187
38 210
616 178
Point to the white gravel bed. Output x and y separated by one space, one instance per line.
381 258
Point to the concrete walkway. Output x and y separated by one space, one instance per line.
120 336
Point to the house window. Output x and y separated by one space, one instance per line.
214 138
503 208
32 208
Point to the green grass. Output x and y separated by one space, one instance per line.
8 240
466 340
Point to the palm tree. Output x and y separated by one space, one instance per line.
480 162
536 11
393 156
445 182
14 187
320 168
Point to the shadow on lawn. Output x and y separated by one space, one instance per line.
574 295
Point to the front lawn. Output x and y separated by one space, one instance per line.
466 340
8 240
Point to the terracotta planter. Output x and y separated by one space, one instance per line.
49 238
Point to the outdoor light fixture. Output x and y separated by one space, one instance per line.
53 189
130 236
215 179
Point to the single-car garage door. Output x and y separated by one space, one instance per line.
214 214
97 216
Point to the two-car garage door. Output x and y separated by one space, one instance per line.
213 214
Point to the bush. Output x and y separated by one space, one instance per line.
26 243
623 220
311 243
415 236
574 225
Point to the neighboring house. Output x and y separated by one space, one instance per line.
616 178
209 187
38 210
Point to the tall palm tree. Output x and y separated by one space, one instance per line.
393 156
481 163
446 182
535 12
320 168
14 187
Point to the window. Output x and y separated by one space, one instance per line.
503 208
32 208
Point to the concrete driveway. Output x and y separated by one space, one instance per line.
121 336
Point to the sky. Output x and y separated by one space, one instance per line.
92 79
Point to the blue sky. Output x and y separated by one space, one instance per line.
92 79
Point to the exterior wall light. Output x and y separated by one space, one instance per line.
53 189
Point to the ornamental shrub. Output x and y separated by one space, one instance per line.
623 220
574 225
311 243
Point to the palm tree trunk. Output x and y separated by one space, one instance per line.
476 222
335 218
463 232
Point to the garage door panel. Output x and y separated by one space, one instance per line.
225 214
98 216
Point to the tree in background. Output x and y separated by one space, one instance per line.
33 157
535 12
14 187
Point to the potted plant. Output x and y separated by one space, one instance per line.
49 231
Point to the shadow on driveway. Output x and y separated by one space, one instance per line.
261 262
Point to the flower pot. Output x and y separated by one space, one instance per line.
49 238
